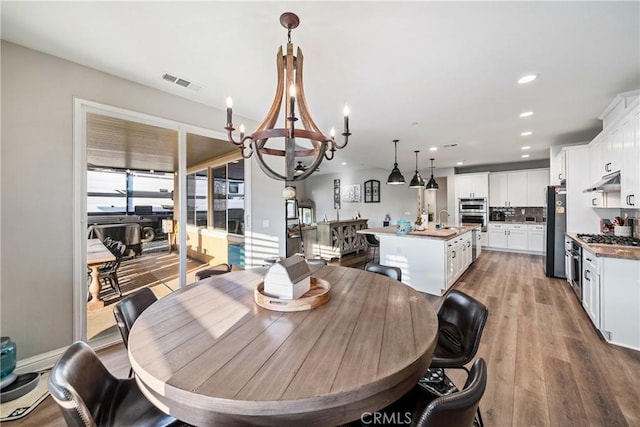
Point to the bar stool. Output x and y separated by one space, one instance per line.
372 242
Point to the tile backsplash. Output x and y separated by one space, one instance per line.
518 214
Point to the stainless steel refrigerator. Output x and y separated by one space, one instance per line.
556 227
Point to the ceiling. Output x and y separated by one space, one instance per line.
431 74
122 144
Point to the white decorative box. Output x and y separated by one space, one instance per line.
288 279
622 230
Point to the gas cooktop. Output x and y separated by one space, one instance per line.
606 239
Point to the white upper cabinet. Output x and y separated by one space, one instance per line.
617 148
518 188
596 162
472 185
517 184
630 175
537 182
612 155
558 171
498 194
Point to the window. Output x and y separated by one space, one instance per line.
106 191
120 192
228 197
151 189
197 198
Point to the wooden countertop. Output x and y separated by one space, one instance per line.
610 251
430 232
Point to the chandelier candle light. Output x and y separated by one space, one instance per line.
290 77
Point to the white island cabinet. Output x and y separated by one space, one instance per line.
620 304
432 260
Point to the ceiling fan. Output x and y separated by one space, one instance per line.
300 168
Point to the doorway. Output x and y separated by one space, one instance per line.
129 142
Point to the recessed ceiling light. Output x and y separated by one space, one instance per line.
433 149
524 156
460 163
526 147
528 78
526 133
344 163
526 114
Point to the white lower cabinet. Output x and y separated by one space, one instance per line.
519 237
459 257
591 286
498 235
536 237
620 292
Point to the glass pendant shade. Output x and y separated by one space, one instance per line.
416 181
395 177
432 185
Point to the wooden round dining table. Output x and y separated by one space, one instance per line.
208 355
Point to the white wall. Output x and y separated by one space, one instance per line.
36 275
266 235
399 201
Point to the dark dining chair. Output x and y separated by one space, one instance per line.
88 395
109 271
129 309
213 271
372 242
393 272
461 320
425 409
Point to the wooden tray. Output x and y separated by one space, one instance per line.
319 294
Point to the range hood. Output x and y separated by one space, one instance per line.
608 183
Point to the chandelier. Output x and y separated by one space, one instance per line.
289 69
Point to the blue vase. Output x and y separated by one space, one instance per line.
7 357
403 226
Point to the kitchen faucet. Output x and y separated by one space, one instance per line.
440 215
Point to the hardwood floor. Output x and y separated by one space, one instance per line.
547 365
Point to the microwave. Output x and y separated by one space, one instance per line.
477 205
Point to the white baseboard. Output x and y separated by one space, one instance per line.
41 362
515 251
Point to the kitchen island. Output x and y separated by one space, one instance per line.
431 260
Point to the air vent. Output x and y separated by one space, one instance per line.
169 77
181 82
449 145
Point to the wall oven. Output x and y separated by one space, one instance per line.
473 211
473 205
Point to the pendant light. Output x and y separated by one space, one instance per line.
395 177
416 181
432 185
